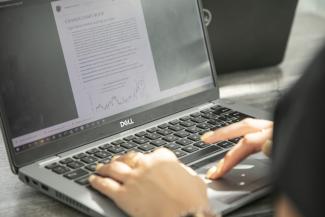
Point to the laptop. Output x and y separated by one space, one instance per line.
84 80
248 34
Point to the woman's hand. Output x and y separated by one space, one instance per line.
257 136
152 185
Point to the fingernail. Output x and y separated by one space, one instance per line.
215 170
207 135
220 166
211 172
115 157
91 178
98 166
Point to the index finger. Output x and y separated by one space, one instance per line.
251 143
239 129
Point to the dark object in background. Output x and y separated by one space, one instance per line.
248 34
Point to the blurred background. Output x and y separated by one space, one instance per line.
263 87
314 6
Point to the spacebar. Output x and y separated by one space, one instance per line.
200 154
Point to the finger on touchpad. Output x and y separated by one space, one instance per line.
247 177
242 177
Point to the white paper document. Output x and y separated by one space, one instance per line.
108 55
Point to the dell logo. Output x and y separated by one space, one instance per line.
126 123
207 15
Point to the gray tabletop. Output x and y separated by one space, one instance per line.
260 88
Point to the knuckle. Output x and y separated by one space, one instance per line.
145 162
248 121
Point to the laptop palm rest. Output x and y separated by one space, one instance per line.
249 176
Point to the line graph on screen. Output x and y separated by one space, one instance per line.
114 101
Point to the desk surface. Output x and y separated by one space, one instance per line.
260 88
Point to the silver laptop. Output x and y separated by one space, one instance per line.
84 80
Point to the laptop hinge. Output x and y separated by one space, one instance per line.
49 160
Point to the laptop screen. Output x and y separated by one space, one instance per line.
70 66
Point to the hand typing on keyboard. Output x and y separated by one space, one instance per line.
155 184
256 136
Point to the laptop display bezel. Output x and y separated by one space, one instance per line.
146 115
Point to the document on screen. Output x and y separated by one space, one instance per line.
108 55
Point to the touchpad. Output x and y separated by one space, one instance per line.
249 176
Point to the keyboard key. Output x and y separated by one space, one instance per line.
195 138
76 174
214 128
224 118
176 128
235 140
117 142
216 107
129 145
204 126
141 140
153 136
106 161
79 156
141 134
152 130
186 118
172 146
225 144
138 150
200 154
205 111
194 129
103 154
174 122
239 116
204 131
187 123
106 146
158 142
198 120
163 126
184 142
89 159
170 138
235 114
195 115
93 151
60 170
233 121
66 161
214 122
210 115
220 110
51 166
91 167
182 134
75 164
146 147
129 138
179 153
83 181
165 132
190 149
116 149
201 145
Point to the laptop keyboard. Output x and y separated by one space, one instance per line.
182 136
